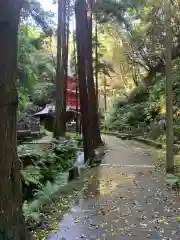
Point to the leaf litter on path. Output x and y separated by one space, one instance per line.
124 203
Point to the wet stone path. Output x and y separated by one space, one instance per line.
125 199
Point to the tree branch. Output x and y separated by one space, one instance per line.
137 62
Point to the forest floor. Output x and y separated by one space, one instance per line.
126 198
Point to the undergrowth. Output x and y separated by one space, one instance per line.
144 112
172 179
44 173
61 201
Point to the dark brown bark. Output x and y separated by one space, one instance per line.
96 53
12 225
59 126
169 90
81 18
90 80
78 127
66 51
77 110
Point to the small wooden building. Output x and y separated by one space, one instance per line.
48 113
72 97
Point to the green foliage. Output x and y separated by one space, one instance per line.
127 115
31 175
35 63
173 181
139 95
23 99
44 93
32 9
107 9
35 66
32 212
79 141
104 67
46 167
26 65
46 192
145 110
138 28
45 175
43 195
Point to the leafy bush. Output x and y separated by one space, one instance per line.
79 141
32 212
47 167
145 110
45 176
139 95
136 114
31 175
173 181
128 115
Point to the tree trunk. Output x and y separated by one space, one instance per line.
105 94
78 124
66 52
169 92
90 81
96 64
81 18
59 126
12 225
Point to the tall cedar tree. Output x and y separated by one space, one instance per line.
96 62
169 89
90 80
66 52
12 225
81 39
78 117
59 125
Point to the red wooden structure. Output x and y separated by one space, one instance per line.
72 106
72 93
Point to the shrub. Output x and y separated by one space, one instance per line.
139 95
45 176
44 168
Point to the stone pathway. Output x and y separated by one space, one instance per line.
126 199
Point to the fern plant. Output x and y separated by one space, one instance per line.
46 191
173 181
31 175
32 211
